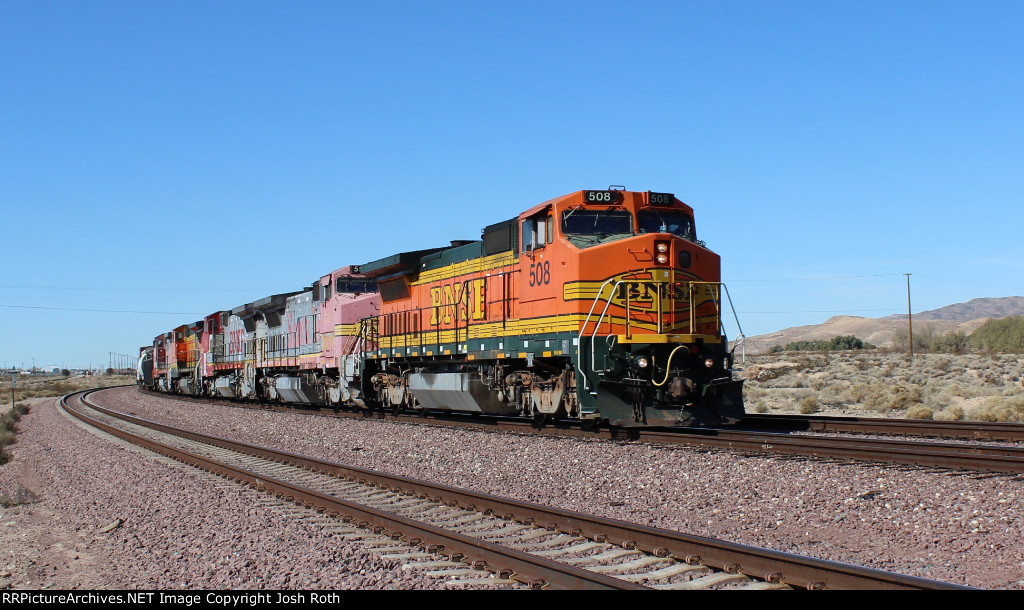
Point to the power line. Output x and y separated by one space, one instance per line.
96 289
176 313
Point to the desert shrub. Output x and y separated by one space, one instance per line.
760 408
962 391
950 413
832 393
1000 335
919 412
8 428
905 396
818 383
808 405
767 374
9 424
923 335
863 364
955 342
845 342
999 409
857 392
896 398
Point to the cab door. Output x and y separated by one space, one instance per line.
538 266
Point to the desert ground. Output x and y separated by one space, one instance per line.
880 383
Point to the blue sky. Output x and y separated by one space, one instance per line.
163 160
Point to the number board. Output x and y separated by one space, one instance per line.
660 198
602 197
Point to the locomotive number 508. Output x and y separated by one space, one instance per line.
540 273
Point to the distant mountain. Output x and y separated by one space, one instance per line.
971 310
966 317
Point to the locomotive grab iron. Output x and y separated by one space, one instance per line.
597 305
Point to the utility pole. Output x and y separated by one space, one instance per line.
910 323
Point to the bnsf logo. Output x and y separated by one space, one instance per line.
458 301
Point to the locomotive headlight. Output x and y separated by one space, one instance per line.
641 362
661 247
710 362
662 259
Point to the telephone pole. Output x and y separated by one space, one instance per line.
910 323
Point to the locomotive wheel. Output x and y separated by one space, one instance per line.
540 419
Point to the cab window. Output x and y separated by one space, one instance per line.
538 231
675 222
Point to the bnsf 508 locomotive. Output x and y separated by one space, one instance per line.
598 305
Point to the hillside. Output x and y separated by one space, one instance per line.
966 317
971 310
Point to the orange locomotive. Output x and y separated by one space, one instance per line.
598 305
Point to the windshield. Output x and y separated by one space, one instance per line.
665 221
596 222
356 286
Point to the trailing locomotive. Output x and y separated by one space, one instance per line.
598 305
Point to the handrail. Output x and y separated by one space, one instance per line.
741 337
660 313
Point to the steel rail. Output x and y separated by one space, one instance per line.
979 458
978 431
764 564
535 571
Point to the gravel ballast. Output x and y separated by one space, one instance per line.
957 527
145 525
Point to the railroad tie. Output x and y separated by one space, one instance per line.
705 582
642 562
432 565
450 522
510 532
480 527
486 581
608 555
406 555
669 572
760 585
578 548
559 539
517 535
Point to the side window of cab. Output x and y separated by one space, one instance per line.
538 231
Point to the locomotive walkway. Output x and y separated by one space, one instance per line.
491 540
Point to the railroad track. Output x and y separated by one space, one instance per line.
516 541
976 431
971 457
